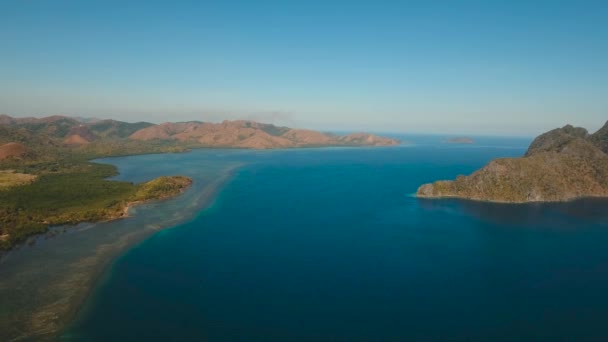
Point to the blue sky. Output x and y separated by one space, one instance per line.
490 67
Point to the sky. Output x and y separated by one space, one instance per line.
483 67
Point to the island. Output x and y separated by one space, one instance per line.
47 177
561 165
460 140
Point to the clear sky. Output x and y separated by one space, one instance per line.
493 67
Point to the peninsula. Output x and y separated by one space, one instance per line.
560 165
46 177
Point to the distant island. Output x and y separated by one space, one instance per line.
560 165
460 140
46 177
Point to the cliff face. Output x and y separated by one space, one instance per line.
249 134
560 165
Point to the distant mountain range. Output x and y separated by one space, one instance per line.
250 134
67 128
562 164
62 131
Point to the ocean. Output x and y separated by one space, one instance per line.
331 245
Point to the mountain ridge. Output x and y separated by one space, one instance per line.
74 132
251 134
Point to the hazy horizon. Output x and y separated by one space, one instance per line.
471 67
338 129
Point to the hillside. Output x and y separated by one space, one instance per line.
250 134
12 150
560 165
54 135
116 129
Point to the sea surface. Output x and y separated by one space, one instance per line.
330 245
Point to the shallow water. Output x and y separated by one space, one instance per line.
329 244
43 282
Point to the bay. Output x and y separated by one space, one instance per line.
330 245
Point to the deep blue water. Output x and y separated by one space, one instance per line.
329 245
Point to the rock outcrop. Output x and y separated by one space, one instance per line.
560 165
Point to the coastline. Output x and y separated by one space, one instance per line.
483 200
131 204
121 213
78 306
62 299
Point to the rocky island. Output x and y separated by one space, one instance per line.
560 165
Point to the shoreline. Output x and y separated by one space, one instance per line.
53 315
481 200
125 210
121 213
79 306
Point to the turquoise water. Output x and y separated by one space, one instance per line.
329 245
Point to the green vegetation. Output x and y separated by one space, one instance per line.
52 183
122 147
161 187
51 180
116 129
68 193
